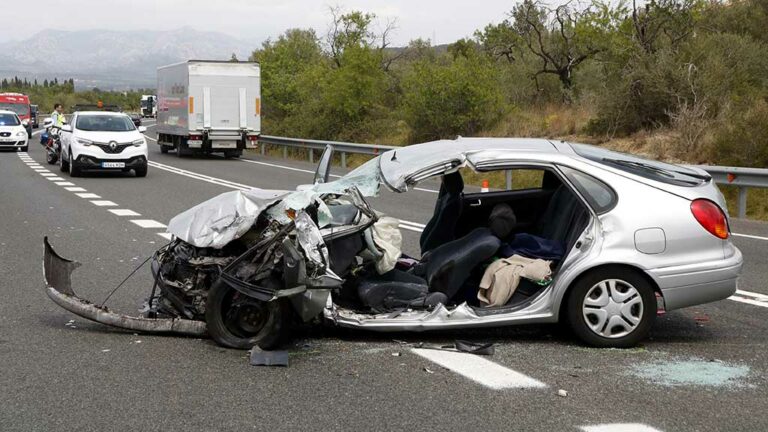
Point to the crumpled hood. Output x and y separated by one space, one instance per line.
218 221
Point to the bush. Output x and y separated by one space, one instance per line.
446 98
742 139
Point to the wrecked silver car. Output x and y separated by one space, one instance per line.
575 247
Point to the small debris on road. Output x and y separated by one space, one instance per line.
428 370
106 350
562 393
260 357
396 354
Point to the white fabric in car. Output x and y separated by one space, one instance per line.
502 277
387 237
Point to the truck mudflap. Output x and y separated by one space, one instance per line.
58 281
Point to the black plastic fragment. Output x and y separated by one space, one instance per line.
260 357
479 348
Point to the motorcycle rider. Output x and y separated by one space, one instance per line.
58 115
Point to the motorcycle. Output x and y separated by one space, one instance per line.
51 140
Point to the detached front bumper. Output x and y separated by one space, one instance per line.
699 283
58 272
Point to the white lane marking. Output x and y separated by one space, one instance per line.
619 427
55 178
752 294
152 125
48 174
761 303
124 212
410 228
88 195
478 369
414 224
75 189
749 236
203 177
65 183
167 236
148 223
37 132
40 170
150 138
104 203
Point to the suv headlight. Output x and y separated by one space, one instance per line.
84 141
138 143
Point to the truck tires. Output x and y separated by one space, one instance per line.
233 154
163 149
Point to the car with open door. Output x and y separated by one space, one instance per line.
595 239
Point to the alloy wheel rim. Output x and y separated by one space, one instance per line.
612 308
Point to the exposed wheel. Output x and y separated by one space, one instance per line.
611 308
163 149
238 321
74 171
141 172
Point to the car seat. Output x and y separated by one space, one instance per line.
441 228
448 266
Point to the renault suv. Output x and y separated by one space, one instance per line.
96 140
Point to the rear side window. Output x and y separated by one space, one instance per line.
647 168
599 195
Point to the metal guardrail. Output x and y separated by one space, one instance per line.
742 178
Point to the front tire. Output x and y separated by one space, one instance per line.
237 321
64 166
141 171
74 170
611 308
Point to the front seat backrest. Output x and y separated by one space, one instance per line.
449 265
560 216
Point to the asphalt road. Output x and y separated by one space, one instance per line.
704 368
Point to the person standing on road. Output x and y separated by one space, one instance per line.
57 115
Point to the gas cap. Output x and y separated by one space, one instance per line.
650 240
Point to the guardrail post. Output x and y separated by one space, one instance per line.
285 152
508 176
742 202
311 156
343 159
263 149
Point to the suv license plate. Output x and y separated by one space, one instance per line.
113 164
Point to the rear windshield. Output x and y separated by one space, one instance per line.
105 123
647 168
19 108
8 120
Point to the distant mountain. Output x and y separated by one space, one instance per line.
113 59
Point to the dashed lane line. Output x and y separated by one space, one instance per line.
88 195
83 193
754 237
124 212
148 223
479 370
619 427
104 203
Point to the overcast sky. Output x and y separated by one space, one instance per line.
253 20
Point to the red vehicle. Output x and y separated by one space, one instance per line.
18 103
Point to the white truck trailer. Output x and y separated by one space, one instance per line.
208 106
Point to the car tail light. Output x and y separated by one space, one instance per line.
253 138
711 217
195 137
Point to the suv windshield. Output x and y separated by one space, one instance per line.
8 120
18 108
104 123
647 168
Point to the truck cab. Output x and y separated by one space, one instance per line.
19 104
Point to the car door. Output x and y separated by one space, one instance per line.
66 137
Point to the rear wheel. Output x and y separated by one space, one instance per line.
611 307
163 149
233 153
237 321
